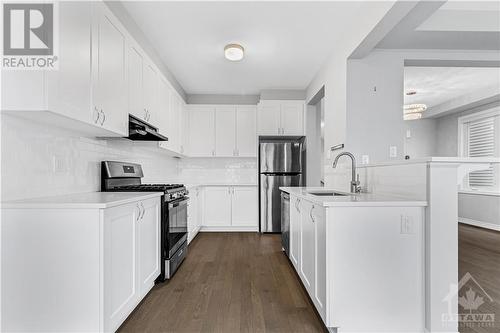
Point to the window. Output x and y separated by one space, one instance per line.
480 137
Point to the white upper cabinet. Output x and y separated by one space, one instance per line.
292 118
246 131
68 88
281 118
269 118
228 131
201 131
150 93
143 86
135 93
109 71
225 132
184 129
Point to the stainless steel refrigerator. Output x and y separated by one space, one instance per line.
281 163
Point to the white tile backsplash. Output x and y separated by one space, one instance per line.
40 160
218 170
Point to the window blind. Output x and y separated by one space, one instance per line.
481 143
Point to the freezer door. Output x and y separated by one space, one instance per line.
270 199
280 157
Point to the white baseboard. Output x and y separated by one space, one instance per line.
229 228
481 224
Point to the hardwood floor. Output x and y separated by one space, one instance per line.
479 254
230 282
241 282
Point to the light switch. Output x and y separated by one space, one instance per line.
59 164
393 151
408 133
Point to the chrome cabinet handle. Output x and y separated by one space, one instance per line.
138 212
103 117
97 115
143 210
311 214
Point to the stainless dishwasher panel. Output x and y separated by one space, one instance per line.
285 222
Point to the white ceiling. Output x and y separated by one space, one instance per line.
286 43
437 85
454 25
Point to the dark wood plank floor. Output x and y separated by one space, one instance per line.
241 282
230 282
479 254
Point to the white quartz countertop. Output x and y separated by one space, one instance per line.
351 200
89 200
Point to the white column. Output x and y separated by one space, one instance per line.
441 247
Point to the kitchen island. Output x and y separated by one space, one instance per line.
360 257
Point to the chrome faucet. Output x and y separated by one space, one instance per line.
355 184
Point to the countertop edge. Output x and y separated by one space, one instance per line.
398 202
79 205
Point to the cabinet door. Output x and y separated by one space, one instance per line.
246 131
295 207
175 122
244 206
69 87
192 214
135 82
202 131
120 264
184 129
148 245
150 93
109 70
225 131
268 119
217 206
319 299
164 110
292 118
307 247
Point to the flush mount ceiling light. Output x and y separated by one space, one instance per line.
413 111
234 52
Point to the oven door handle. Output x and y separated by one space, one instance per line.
174 204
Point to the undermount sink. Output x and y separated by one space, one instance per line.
327 193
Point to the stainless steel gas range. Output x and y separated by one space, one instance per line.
121 176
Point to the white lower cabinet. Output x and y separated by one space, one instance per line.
83 269
194 216
366 247
230 208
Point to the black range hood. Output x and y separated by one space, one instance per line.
139 130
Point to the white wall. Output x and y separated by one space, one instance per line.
480 210
333 74
29 149
374 104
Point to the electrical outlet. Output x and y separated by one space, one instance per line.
407 225
393 151
59 164
365 159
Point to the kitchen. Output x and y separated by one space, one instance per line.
72 137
